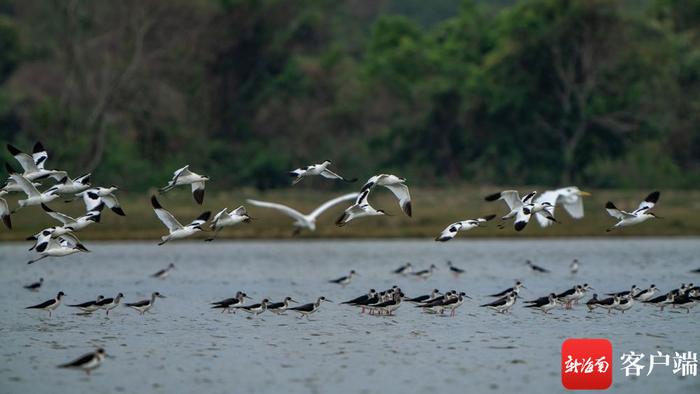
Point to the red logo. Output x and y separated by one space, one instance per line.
586 364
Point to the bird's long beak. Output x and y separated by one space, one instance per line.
468 297
523 286
584 194
591 288
327 300
109 356
247 297
294 301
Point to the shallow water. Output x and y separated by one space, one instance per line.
183 346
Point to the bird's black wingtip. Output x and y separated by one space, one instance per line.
198 195
154 203
493 197
204 216
38 147
118 210
610 205
351 180
519 226
7 221
653 197
408 209
489 217
46 208
13 151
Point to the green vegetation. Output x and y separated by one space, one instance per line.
434 209
600 93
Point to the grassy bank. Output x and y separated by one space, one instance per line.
433 210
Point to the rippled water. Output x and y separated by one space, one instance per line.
183 346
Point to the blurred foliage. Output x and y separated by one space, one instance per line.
597 92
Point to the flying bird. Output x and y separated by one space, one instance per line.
99 195
63 245
184 176
396 185
521 209
344 280
66 185
75 224
35 286
33 166
571 198
164 273
34 196
360 208
639 215
451 231
302 221
226 219
317 169
175 229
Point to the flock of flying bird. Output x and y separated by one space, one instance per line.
60 240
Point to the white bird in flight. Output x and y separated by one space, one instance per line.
571 198
226 219
64 245
451 231
34 196
396 185
639 215
521 209
317 169
75 224
184 176
360 208
175 229
33 166
11 185
302 221
66 185
99 195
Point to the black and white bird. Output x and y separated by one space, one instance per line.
571 198
361 208
536 268
646 294
574 266
396 185
388 306
592 303
632 291
228 304
5 214
63 245
89 306
545 304
34 196
75 224
301 221
307 309
164 273
522 209
69 186
11 185
503 304
184 176
687 301
515 289
451 231
110 303
33 165
365 297
317 169
226 219
101 195
256 309
625 303
454 270
425 274
662 300
404 269
175 229
35 286
609 303
87 362
344 280
280 307
144 306
424 298
49 305
639 215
